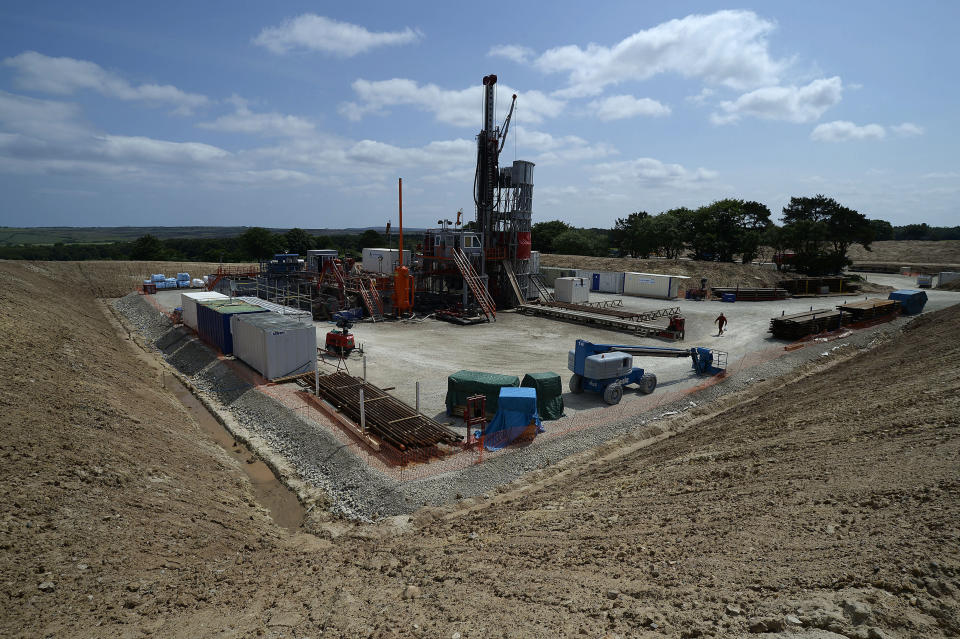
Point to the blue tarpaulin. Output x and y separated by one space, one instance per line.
911 301
516 411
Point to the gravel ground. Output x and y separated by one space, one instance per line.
359 492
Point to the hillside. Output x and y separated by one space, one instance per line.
829 500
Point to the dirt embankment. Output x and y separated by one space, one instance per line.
830 503
942 254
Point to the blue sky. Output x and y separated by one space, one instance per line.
305 114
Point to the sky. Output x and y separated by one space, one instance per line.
305 114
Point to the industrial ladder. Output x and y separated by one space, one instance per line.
376 296
368 302
542 289
476 285
512 278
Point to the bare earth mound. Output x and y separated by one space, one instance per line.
897 253
831 502
717 273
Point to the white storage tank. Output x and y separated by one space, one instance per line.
534 262
189 303
382 260
573 290
274 345
657 285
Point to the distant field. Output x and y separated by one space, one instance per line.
12 236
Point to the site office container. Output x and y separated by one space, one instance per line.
388 264
213 321
573 290
603 281
665 287
947 276
280 309
274 345
189 303
551 273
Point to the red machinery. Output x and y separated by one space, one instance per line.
341 342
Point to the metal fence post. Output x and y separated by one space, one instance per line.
364 368
418 398
363 413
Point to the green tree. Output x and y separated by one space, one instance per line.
147 247
821 230
882 230
634 235
259 243
668 232
298 241
575 242
543 235
370 239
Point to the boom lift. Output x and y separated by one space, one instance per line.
607 368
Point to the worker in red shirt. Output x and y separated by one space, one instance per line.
721 321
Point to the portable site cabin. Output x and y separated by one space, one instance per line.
383 260
213 321
573 290
665 287
189 303
274 345
603 281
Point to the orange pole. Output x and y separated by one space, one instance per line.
400 200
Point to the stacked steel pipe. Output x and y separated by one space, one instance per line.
387 418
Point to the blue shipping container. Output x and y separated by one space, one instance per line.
213 321
911 301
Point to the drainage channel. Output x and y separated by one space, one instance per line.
285 509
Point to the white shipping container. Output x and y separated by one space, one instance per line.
573 290
189 303
946 277
274 345
665 287
388 264
603 281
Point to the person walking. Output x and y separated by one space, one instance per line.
721 321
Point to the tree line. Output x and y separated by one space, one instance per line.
254 244
815 237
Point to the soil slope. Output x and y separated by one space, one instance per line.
827 503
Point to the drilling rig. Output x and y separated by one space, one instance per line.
504 201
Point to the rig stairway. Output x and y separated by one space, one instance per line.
476 284
545 295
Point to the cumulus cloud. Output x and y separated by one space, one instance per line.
243 120
619 107
907 129
790 103
513 52
556 149
844 131
65 76
451 106
319 33
728 48
650 172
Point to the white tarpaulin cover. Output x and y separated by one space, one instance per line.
274 345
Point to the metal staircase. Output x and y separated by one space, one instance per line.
545 295
375 295
476 284
368 303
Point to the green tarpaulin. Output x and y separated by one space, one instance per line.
549 393
464 384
